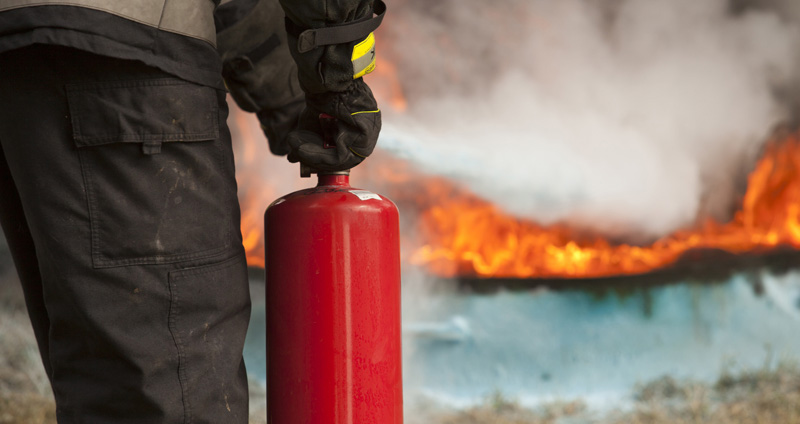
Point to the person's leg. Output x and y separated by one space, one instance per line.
18 237
142 270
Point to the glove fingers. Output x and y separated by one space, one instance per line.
296 139
307 148
365 133
358 125
301 137
278 123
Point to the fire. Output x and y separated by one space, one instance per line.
461 234
469 236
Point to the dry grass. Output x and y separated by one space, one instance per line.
499 410
767 395
770 395
258 403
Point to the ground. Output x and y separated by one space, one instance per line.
770 394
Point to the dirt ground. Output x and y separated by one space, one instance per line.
770 395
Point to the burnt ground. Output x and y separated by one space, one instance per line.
699 266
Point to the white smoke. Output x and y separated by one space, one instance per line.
629 117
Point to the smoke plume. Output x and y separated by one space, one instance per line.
629 117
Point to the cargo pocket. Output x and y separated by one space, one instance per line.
208 318
158 184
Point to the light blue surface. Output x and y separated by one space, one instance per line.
255 347
543 345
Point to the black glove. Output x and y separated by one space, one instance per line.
357 121
333 44
278 123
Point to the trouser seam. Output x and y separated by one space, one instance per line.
173 317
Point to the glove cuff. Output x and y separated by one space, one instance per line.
310 39
330 58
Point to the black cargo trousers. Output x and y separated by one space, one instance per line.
118 201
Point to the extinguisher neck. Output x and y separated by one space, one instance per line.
334 179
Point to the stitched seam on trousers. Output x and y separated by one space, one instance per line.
173 329
156 82
181 137
91 203
164 259
221 155
207 269
174 278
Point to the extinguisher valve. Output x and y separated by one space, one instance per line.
306 171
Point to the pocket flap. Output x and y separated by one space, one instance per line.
146 111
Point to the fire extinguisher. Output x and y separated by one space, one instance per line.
333 306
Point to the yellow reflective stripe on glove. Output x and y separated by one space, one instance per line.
364 57
365 111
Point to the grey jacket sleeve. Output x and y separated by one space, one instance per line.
257 66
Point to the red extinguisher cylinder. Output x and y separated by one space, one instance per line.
333 307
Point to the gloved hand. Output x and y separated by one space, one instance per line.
358 122
333 44
278 123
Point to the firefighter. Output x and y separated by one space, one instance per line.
118 197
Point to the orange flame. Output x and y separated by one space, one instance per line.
469 236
